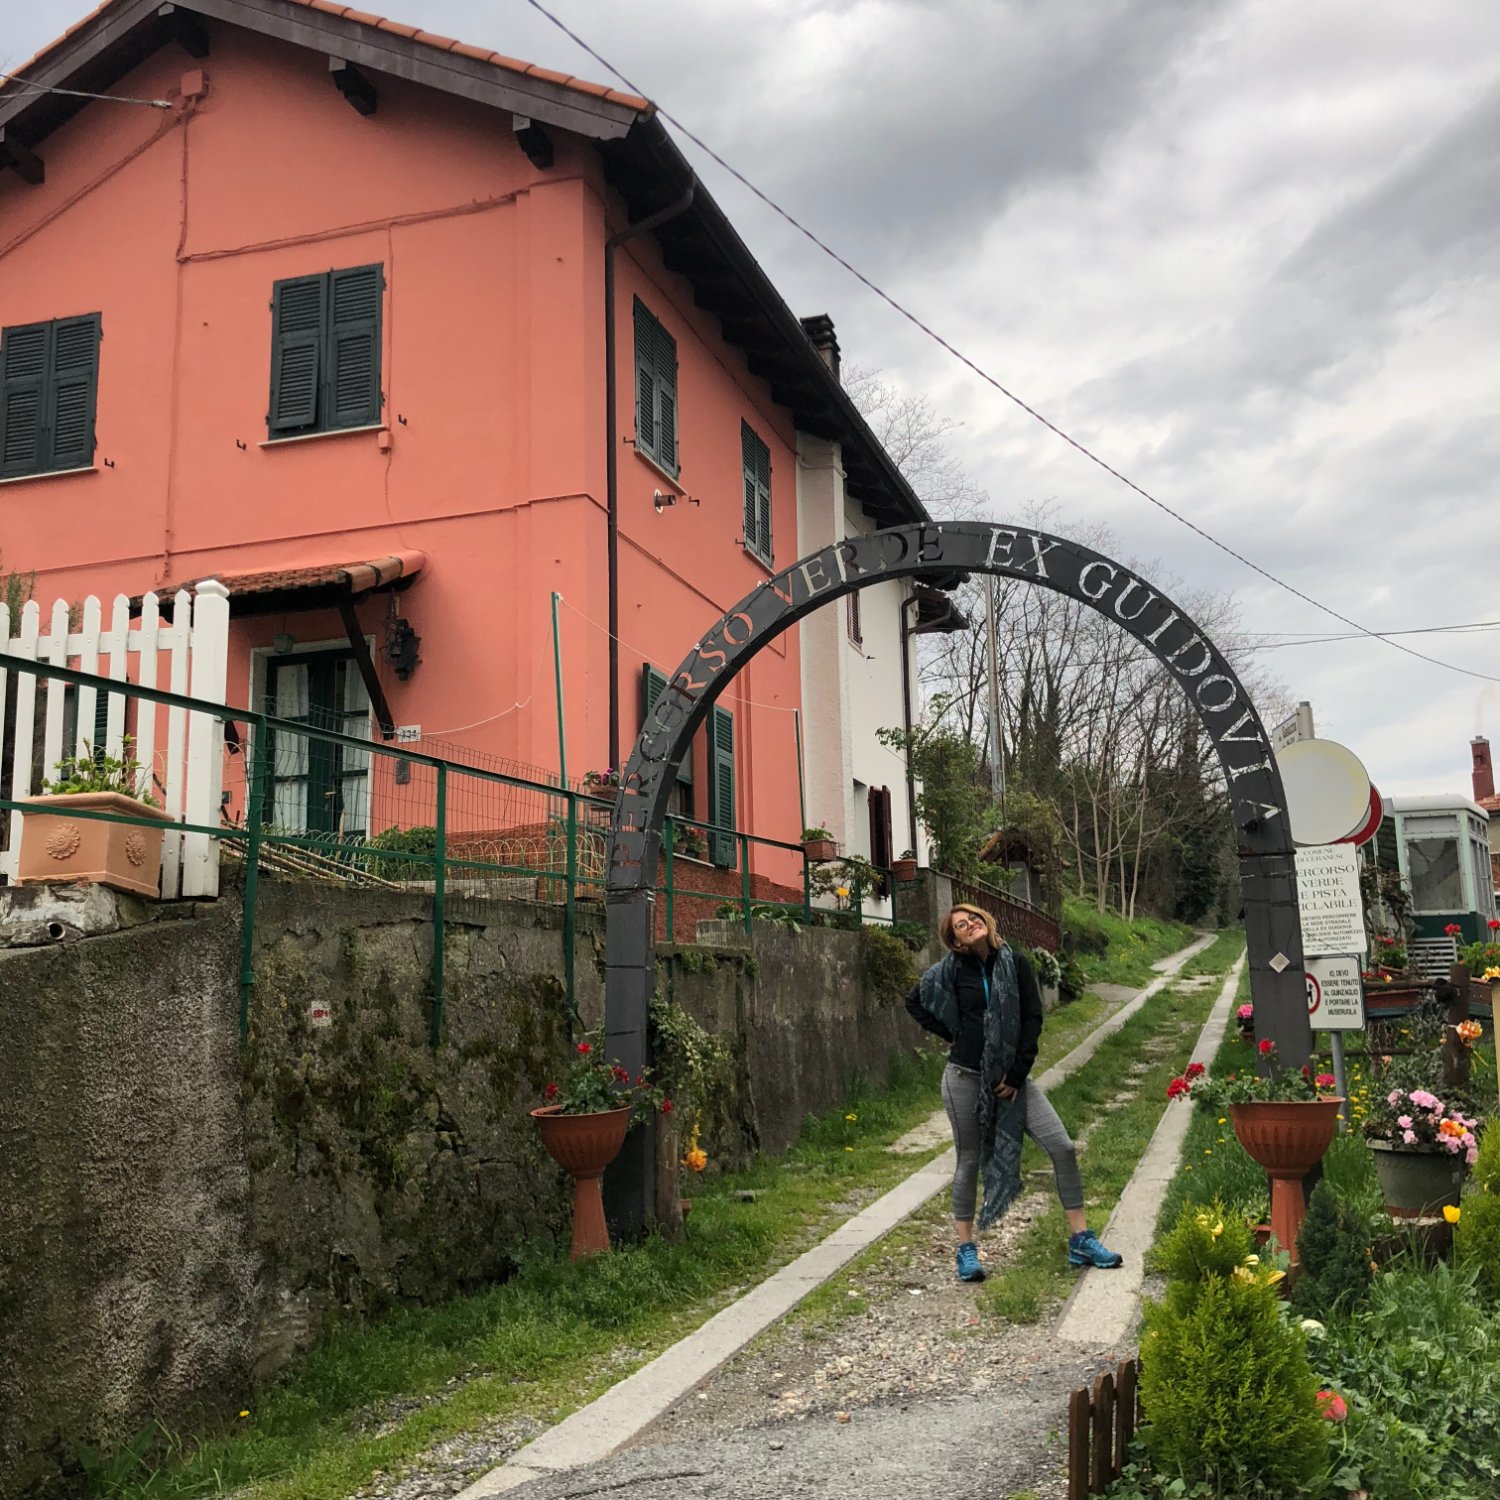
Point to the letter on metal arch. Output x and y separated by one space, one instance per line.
1268 885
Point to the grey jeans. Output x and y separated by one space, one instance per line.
961 1100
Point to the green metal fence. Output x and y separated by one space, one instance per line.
302 797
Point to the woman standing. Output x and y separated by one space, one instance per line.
983 999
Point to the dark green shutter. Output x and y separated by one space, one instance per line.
24 362
645 380
666 400
353 360
653 685
721 811
298 311
755 457
74 384
655 390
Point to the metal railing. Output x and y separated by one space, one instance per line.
312 800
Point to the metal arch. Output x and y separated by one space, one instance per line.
1266 853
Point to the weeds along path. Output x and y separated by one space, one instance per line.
897 1329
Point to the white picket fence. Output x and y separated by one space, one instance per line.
183 769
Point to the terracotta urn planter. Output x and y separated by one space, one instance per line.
1417 1184
903 869
583 1146
89 851
1287 1138
818 849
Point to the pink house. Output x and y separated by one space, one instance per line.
398 339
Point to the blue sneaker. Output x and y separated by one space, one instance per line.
967 1257
1084 1249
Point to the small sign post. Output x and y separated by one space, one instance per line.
1336 1004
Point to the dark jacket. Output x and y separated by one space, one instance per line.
966 1045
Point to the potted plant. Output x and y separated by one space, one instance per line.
1482 960
817 843
1244 1019
602 783
1423 1149
89 850
1285 1120
905 868
583 1125
689 842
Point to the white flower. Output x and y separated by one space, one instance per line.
1312 1328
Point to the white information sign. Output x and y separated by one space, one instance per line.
1299 726
1335 994
1328 899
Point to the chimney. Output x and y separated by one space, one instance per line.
1484 770
819 329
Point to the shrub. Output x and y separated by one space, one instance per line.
1228 1394
1072 981
1333 1250
888 966
417 841
1476 1236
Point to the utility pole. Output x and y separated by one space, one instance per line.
997 741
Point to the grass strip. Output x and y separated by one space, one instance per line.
1110 950
1117 1136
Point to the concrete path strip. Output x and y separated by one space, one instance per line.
1104 1304
595 1431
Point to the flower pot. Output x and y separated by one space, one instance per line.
903 869
583 1146
89 851
1417 1184
1287 1138
687 1207
1389 1002
820 849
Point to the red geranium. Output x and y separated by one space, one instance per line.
550 1092
1267 1046
584 1049
1332 1406
1194 1070
1177 1088
1453 930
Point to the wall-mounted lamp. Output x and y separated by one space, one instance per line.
401 647
283 643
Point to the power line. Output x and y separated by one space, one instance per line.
45 88
989 379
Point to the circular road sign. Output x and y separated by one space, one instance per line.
1327 791
1314 995
1371 826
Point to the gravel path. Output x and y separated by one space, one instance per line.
891 1385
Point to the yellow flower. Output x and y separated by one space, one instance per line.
1450 1213
244 1414
851 1118
842 892
1208 1151
1223 1119
848 1148
1218 1229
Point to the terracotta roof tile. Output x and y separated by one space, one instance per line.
411 33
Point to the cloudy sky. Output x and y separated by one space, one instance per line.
1246 250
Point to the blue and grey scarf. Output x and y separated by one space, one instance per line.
1002 1122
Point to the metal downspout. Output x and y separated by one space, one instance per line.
911 782
678 205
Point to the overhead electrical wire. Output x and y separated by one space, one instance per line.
47 88
991 380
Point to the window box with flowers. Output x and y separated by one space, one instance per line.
818 844
1284 1118
1482 960
583 1125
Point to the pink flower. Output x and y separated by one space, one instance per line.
1404 1121
1393 1097
1332 1406
1267 1046
1423 1100
1471 1155
1410 1137
1452 1145
1245 1012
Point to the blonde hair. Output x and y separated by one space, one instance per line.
945 927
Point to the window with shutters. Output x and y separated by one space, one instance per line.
723 847
681 802
325 352
49 386
757 475
655 391
878 799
